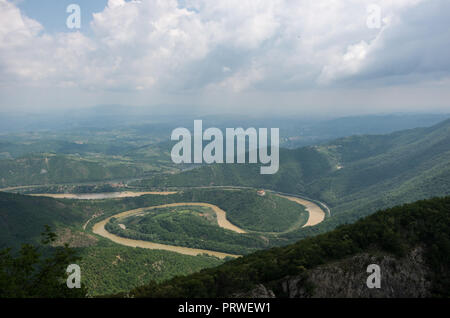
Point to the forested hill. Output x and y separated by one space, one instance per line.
22 218
35 169
355 176
387 169
410 243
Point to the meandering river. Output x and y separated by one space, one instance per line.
99 196
316 215
99 228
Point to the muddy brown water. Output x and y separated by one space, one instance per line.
99 228
316 215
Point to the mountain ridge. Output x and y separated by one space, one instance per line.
411 242
353 175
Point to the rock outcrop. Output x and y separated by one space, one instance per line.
406 277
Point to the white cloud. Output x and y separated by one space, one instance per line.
240 80
345 65
230 46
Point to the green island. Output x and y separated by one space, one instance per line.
194 227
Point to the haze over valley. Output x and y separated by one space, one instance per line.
343 104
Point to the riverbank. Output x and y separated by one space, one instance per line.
99 229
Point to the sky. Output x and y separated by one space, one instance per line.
228 56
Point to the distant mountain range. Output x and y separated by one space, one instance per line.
295 131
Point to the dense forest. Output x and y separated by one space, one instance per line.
246 209
395 231
38 270
355 176
23 218
111 268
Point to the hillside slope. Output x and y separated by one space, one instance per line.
298 168
411 244
22 218
52 169
355 176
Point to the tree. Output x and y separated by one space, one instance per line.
30 274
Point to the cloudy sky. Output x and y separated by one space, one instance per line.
278 56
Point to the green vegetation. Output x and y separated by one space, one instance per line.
100 187
33 273
355 176
395 231
297 168
52 169
267 218
111 268
183 226
23 217
84 155
244 208
247 210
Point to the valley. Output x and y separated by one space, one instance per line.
205 150
99 228
201 216
411 239
316 215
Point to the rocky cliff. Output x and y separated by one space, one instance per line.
403 277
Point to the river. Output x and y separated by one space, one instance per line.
99 228
98 196
316 215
